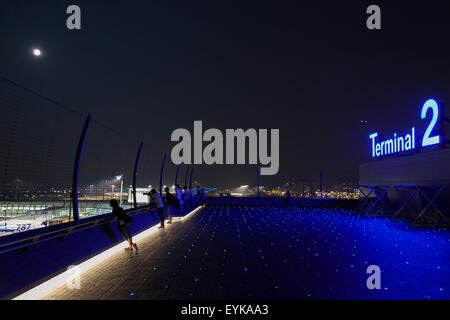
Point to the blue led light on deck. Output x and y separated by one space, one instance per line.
348 245
407 142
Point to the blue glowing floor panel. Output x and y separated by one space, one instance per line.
225 252
298 253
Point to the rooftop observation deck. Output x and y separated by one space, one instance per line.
273 252
231 249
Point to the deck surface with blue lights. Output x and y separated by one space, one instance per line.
225 252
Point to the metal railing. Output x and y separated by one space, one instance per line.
54 153
25 240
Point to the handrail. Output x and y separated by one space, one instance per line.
161 176
136 164
76 169
99 220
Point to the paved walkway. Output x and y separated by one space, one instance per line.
226 252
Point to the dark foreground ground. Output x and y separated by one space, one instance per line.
225 252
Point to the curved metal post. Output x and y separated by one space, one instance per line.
136 165
190 179
185 177
162 173
178 170
76 169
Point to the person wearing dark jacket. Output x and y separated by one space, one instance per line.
169 201
123 222
156 202
287 197
179 196
202 196
186 198
198 195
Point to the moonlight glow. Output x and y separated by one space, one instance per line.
37 52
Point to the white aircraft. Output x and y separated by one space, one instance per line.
20 225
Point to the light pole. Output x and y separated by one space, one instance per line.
121 190
120 177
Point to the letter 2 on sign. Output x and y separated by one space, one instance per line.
427 140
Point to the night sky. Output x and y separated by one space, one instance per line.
313 70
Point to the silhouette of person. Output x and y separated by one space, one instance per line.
202 196
287 197
156 202
169 201
186 197
123 223
198 195
191 197
179 202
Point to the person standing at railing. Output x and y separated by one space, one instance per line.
169 201
198 196
179 202
186 198
191 197
287 197
202 196
156 202
123 222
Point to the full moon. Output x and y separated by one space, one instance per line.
37 52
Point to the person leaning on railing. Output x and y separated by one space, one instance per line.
202 196
287 197
179 202
186 200
191 197
156 202
198 195
123 223
169 201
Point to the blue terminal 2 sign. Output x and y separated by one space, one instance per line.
408 141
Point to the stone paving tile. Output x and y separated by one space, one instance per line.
114 277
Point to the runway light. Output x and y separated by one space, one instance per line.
51 284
